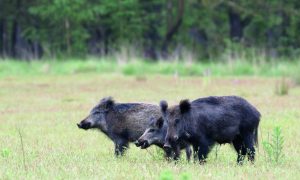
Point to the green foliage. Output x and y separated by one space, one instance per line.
185 176
5 152
141 68
65 28
166 175
74 27
274 147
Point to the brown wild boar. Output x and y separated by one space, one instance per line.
121 122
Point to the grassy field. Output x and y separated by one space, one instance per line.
42 110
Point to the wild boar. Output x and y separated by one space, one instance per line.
155 134
206 121
121 122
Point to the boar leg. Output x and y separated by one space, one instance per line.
203 151
250 147
120 147
195 149
176 152
188 152
240 149
168 154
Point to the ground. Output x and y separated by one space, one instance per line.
43 111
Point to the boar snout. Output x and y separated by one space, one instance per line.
167 146
142 143
137 143
84 125
145 144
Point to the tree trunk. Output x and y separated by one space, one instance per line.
237 25
275 34
36 50
151 34
2 26
15 31
68 36
173 27
14 39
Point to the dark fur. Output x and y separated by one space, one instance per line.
210 120
121 122
155 134
163 105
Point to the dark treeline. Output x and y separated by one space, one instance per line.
31 29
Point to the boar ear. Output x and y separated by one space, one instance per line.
159 122
107 102
163 106
184 106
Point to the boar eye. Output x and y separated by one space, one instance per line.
151 130
96 113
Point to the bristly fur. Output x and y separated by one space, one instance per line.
216 119
184 105
121 122
163 106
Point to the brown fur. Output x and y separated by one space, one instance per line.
132 122
121 122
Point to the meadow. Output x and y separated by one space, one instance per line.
41 102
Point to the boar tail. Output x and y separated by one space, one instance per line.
256 137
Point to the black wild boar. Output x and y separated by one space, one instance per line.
121 122
210 120
155 134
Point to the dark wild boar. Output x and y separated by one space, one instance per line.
121 122
155 134
210 120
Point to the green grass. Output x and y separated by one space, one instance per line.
46 108
104 66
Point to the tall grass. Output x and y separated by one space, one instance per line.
274 147
142 67
282 87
